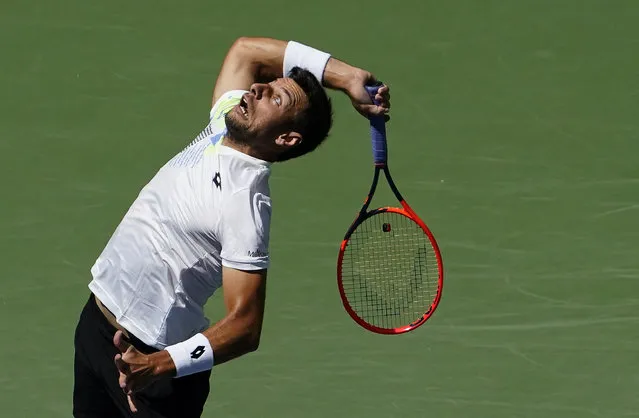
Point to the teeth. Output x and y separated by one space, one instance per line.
244 106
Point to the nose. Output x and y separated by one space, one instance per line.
259 90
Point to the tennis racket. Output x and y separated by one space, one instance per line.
389 270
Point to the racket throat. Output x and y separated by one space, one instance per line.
371 192
396 192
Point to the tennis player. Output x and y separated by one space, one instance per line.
143 346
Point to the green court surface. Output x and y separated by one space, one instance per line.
515 134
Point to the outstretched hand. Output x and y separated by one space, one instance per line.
361 100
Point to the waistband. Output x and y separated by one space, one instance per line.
132 339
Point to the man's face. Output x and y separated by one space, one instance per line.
266 112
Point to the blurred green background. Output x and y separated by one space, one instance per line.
514 134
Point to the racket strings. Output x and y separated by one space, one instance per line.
389 271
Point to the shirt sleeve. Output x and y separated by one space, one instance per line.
245 228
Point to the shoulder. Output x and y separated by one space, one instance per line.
249 189
246 212
243 171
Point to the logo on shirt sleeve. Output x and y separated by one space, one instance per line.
257 253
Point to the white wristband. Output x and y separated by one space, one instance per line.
192 356
311 59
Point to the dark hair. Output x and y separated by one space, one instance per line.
315 121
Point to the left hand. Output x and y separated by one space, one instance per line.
137 370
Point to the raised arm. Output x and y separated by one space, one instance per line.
261 60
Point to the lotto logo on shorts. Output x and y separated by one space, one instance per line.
197 353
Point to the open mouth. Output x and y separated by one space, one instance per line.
244 106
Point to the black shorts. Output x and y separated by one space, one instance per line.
96 393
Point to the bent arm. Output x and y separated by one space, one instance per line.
238 333
251 60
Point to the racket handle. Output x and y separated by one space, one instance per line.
378 130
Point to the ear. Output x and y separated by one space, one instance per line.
289 139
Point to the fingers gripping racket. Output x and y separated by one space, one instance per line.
389 269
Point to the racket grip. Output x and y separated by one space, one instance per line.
378 130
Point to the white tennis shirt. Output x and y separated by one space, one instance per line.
208 207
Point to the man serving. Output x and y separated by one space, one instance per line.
143 345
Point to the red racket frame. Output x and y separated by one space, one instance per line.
408 212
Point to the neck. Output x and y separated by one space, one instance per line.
245 149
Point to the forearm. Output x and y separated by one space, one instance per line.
232 337
236 334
